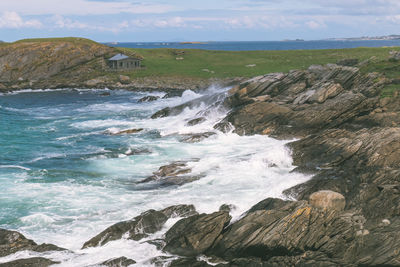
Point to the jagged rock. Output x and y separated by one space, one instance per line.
180 211
128 131
149 98
326 199
174 173
29 262
192 262
118 262
227 208
195 138
324 91
165 112
196 121
11 242
291 230
141 226
269 204
194 235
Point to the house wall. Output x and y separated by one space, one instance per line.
125 64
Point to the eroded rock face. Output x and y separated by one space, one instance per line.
141 226
149 98
30 262
12 241
194 235
118 262
326 199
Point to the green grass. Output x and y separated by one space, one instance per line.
62 39
224 64
388 90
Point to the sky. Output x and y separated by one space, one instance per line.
198 20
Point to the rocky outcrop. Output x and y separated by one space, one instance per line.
118 262
29 262
194 235
12 242
175 173
141 226
148 98
348 138
326 199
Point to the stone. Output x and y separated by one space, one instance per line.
128 131
175 173
180 211
118 262
326 199
196 121
194 235
12 242
195 138
149 98
124 79
30 262
139 227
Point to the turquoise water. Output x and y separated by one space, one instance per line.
64 177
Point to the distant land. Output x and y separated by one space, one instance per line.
365 38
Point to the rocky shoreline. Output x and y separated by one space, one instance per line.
347 214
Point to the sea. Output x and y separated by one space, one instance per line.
263 45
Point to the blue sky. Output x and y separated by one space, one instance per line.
200 20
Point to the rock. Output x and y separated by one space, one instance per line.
11 242
173 93
172 174
325 91
348 62
118 262
180 211
227 208
327 199
124 79
139 227
30 262
192 262
196 121
149 98
288 231
165 112
194 235
269 204
128 131
195 138
105 94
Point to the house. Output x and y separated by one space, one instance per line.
124 62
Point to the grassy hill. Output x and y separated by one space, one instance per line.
73 61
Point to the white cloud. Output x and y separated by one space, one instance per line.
315 25
81 7
14 21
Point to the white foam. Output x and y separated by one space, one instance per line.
15 167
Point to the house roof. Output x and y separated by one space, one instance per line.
119 57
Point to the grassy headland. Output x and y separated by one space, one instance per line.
74 61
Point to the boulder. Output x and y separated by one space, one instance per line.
194 235
124 79
141 226
30 262
149 98
118 262
326 199
12 241
196 137
175 173
196 121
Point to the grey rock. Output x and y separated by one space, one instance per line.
194 235
29 262
118 262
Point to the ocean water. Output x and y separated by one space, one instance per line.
64 178
264 45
